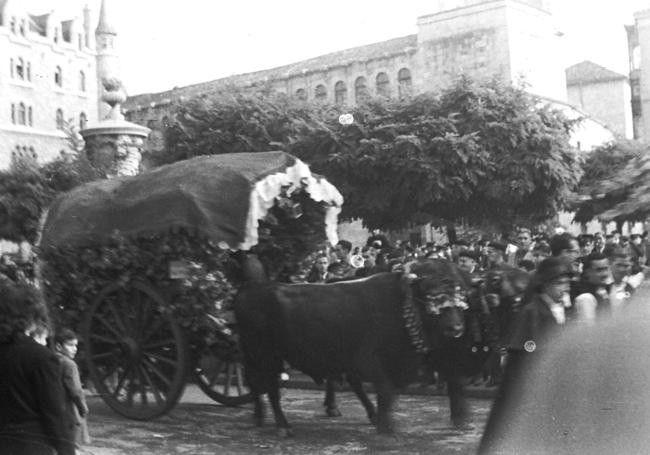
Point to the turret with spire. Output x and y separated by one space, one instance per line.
107 59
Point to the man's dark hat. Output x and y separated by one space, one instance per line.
469 254
498 244
554 267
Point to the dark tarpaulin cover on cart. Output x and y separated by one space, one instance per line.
212 194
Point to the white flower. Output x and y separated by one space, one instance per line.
346 119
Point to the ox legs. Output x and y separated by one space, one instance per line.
282 425
357 388
385 400
331 407
259 411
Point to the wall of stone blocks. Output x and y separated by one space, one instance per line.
608 102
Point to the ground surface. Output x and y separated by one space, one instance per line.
199 426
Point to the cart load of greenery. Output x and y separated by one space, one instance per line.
185 228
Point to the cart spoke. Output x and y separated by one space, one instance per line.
156 371
103 338
240 380
154 388
164 359
121 381
167 342
103 355
106 324
226 388
116 317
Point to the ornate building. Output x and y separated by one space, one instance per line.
49 76
510 39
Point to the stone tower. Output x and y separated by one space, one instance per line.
483 38
107 58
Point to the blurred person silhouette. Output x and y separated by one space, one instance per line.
66 342
534 330
587 394
32 414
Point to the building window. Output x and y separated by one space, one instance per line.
58 76
30 116
13 113
83 120
29 71
340 93
383 85
22 27
20 69
12 24
82 81
22 114
59 119
11 67
301 94
80 41
321 93
361 90
56 34
404 83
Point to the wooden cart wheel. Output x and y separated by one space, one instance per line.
222 379
137 356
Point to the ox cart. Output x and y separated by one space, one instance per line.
145 269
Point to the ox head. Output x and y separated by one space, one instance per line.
438 290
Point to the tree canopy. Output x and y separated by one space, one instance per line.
611 173
481 153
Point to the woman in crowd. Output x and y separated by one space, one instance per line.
32 416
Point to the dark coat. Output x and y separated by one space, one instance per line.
32 415
532 332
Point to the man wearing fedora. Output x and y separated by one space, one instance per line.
539 320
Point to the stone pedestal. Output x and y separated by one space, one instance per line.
115 146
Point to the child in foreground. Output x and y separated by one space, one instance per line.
76 409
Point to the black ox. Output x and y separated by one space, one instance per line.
378 329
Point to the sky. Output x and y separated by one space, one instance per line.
164 43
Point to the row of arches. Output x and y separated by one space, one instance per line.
362 88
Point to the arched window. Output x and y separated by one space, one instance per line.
58 77
20 68
12 24
321 93
383 85
340 93
22 114
83 120
301 94
361 89
404 83
82 81
30 116
59 119
13 113
33 154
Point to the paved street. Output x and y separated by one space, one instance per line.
198 426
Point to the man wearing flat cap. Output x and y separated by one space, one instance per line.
540 319
468 260
496 254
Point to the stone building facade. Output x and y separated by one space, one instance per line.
603 94
510 39
48 76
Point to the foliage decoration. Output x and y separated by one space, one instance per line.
73 277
